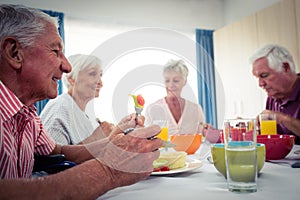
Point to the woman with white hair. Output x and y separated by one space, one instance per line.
182 115
64 117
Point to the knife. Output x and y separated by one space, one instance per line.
168 144
296 165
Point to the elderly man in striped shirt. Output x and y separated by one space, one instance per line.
31 63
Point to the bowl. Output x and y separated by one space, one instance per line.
189 143
218 156
277 146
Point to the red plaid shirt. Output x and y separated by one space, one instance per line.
21 135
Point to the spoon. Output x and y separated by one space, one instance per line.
210 160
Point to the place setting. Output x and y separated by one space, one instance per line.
239 152
175 158
245 149
224 163
174 152
280 149
187 152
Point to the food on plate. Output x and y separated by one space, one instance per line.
159 163
170 160
161 169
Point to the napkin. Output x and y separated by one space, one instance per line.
212 135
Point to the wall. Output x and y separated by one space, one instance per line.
235 10
182 15
91 22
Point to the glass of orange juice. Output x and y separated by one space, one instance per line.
164 133
268 124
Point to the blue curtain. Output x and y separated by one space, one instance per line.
41 104
206 75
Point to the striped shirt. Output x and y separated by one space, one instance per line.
21 135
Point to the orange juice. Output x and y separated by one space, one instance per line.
268 127
163 134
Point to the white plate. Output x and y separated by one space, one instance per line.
190 165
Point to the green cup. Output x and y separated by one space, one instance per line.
218 155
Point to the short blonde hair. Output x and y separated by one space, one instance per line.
177 66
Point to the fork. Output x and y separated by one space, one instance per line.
138 112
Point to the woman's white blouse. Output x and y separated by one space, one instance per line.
191 120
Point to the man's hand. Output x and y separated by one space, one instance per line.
106 127
132 153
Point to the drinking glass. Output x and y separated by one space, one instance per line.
268 124
240 155
164 133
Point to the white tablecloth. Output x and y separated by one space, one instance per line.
275 181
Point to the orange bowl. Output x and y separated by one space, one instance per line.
277 146
189 143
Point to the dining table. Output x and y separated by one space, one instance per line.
277 180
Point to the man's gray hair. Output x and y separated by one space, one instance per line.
24 23
276 55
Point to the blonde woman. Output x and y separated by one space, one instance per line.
182 115
64 117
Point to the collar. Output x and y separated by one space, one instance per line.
10 103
